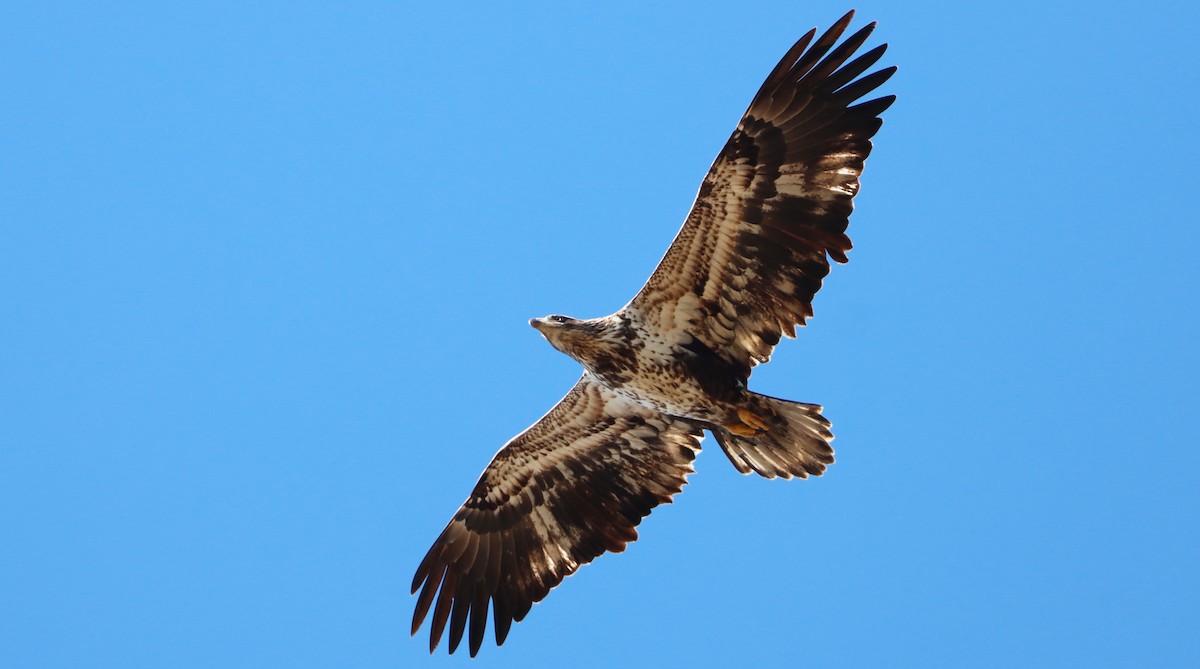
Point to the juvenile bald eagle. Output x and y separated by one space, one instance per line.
674 362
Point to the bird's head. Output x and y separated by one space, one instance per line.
554 326
569 335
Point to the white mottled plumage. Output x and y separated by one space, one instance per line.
674 362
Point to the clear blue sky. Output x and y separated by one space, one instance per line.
265 276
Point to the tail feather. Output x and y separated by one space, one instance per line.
795 444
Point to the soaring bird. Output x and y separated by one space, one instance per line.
675 361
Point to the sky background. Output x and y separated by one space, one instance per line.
265 277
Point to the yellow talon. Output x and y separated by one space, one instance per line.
750 425
752 419
742 430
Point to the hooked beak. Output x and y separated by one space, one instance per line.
540 324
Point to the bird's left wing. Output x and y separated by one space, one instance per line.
572 486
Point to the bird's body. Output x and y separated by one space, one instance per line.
642 365
675 361
678 376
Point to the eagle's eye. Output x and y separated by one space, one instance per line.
559 319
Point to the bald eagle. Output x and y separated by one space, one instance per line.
675 361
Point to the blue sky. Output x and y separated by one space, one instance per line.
265 277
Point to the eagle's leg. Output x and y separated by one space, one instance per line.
749 424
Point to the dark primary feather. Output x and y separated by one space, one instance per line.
572 486
774 206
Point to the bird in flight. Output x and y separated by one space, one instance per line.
674 362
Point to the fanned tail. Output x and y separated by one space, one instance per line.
796 442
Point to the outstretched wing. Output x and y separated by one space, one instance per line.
572 486
774 206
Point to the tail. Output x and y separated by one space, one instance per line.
796 442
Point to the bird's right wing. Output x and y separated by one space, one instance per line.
774 207
572 486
